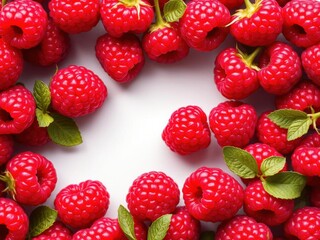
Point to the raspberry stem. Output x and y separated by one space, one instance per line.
160 22
8 179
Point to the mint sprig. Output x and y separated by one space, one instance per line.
41 219
173 10
126 222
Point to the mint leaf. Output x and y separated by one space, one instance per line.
240 162
285 185
41 218
285 117
64 131
298 128
173 10
158 229
42 95
126 222
44 119
272 165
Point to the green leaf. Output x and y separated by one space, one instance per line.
285 185
298 128
158 229
41 218
240 162
126 222
272 165
173 10
42 95
285 117
44 119
64 131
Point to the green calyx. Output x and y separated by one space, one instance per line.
10 182
248 59
251 8
133 3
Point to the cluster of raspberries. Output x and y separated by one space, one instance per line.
276 49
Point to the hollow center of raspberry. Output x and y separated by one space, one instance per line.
265 212
3 232
213 33
198 194
298 29
5 116
17 30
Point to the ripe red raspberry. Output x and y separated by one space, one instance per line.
75 16
18 113
6 148
315 196
165 44
79 205
136 16
122 58
51 50
232 4
235 77
77 91
259 24
57 231
210 194
269 133
303 224
310 59
183 225
187 130
14 221
301 24
11 65
203 24
280 68
233 123
152 195
23 23
243 227
102 228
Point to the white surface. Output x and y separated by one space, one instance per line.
122 140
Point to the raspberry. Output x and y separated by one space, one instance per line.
152 195
303 224
23 23
265 208
301 25
165 44
233 123
259 24
203 24
210 194
310 59
51 50
18 113
57 231
122 58
280 68
187 130
243 227
6 148
232 4
11 65
14 222
77 91
283 2
79 205
315 196
269 133
136 16
75 16
183 226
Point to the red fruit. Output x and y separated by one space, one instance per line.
57 231
136 16
283 2
280 68
232 4
310 59
187 130
301 24
122 58
6 148
235 75
164 44
11 65
14 222
315 196
203 24
75 16
51 50
23 23
303 224
243 227
77 91
210 194
79 205
233 123
152 195
18 113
